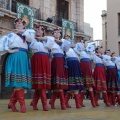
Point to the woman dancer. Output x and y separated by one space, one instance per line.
41 74
86 69
75 82
112 78
18 74
59 72
99 76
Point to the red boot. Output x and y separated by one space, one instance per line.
52 100
113 98
106 99
77 100
35 100
118 98
20 98
109 97
67 97
81 99
62 100
13 100
44 99
97 95
92 98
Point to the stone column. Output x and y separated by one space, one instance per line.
80 14
104 29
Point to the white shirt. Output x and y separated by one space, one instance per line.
117 62
107 60
65 45
42 46
96 59
80 50
84 54
12 40
57 48
72 53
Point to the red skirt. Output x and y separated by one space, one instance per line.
112 80
86 70
99 76
59 74
41 75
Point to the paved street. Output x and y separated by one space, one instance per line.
87 113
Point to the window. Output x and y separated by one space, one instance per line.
106 30
119 47
26 2
118 23
5 4
62 11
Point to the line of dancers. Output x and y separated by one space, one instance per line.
57 65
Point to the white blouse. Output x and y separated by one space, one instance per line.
117 62
84 54
38 46
57 49
80 50
107 60
96 59
12 40
65 45
72 53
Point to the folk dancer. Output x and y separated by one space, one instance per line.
41 72
18 74
59 77
75 82
112 77
86 69
99 75
117 62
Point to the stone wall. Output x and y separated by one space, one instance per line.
48 9
113 36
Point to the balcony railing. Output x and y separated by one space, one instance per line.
37 13
11 6
5 4
57 20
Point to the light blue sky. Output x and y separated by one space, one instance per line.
92 14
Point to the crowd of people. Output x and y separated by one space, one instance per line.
57 65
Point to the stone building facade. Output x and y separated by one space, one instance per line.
88 30
104 29
111 26
72 10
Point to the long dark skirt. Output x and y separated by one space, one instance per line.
59 74
75 81
99 76
41 74
86 70
112 79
